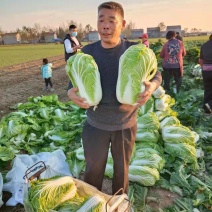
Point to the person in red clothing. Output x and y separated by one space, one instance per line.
172 53
144 39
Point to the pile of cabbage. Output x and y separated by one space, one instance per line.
159 134
62 194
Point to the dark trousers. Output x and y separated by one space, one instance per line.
167 75
96 143
48 82
207 81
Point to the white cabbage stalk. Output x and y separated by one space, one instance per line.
80 153
94 203
136 65
159 92
48 194
178 134
169 121
143 174
84 74
199 153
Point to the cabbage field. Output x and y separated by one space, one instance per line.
173 148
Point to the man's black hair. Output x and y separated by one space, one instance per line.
72 26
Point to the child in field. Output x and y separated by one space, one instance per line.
46 72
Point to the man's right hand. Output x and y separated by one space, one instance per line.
77 47
72 94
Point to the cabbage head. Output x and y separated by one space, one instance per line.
143 174
136 65
84 74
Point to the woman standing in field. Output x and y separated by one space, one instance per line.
206 63
46 72
172 53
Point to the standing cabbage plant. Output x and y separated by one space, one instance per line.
136 65
84 74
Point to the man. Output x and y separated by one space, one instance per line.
111 125
206 63
178 36
71 44
144 39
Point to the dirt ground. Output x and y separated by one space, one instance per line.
19 82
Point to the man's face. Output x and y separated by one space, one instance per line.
72 30
110 24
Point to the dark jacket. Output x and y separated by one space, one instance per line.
73 44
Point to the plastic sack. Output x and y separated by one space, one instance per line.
1 186
118 203
56 161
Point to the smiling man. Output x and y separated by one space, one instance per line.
112 125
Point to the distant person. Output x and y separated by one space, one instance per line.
125 38
46 72
144 39
172 53
71 43
178 36
206 63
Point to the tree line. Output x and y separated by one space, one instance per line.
29 34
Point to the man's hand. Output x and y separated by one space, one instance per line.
77 47
72 94
144 96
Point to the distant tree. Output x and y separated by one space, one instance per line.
194 30
162 26
1 30
128 28
185 30
38 29
61 32
88 28
80 32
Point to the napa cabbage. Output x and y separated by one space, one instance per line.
159 92
178 134
145 135
46 194
6 153
182 150
148 159
75 165
164 102
136 65
170 121
168 112
84 74
143 174
95 204
148 107
148 121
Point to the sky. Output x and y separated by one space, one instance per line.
54 13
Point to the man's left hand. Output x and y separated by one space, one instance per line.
144 96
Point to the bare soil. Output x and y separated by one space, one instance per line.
19 82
